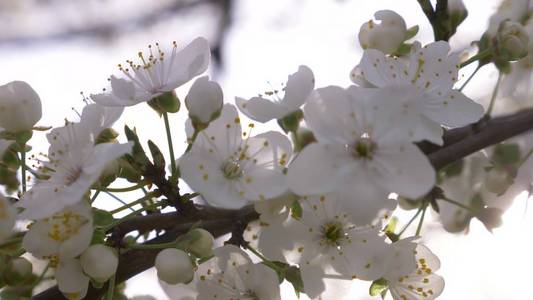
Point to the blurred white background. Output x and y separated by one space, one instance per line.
63 47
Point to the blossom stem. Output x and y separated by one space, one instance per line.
193 138
118 199
410 221
461 205
142 183
41 276
170 147
110 288
23 167
138 201
11 241
469 78
494 94
265 260
173 244
93 198
132 214
419 228
480 55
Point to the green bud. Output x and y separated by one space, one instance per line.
166 103
107 135
202 246
17 271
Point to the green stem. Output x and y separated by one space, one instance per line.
23 167
173 244
41 276
93 198
480 55
419 228
193 138
410 221
494 94
11 241
130 215
142 183
461 205
170 147
469 78
266 261
138 201
110 288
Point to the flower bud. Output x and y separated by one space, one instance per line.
8 216
204 100
386 36
497 181
99 262
20 107
512 40
457 12
174 266
203 245
17 270
167 102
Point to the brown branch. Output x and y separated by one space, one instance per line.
458 143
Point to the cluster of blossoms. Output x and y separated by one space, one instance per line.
324 186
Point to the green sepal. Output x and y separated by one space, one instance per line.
296 210
167 102
107 135
411 32
506 154
157 156
291 122
378 286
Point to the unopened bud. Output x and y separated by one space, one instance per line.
512 41
203 244
385 36
99 262
174 266
17 271
20 107
204 101
497 181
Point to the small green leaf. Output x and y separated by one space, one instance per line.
158 158
505 154
378 286
411 32
102 218
293 275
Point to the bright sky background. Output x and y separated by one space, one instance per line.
267 41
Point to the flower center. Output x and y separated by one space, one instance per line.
332 233
364 148
64 225
72 175
232 169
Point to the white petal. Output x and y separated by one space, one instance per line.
189 62
78 243
71 280
331 115
453 110
427 130
261 109
382 71
299 86
103 154
318 169
38 243
403 169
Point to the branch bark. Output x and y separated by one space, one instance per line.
458 143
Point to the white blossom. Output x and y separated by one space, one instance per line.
427 77
20 106
513 10
361 152
65 234
386 35
324 242
8 216
99 262
298 87
205 100
422 283
229 168
174 266
158 72
232 275
75 163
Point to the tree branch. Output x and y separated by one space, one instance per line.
458 143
